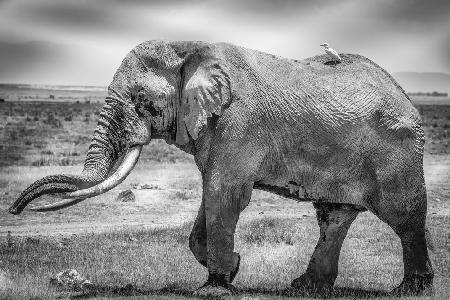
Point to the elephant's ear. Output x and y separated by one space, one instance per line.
205 91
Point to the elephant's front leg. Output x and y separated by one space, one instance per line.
223 203
198 241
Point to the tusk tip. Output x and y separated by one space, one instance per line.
14 210
38 209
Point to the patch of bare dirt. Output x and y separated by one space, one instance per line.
172 198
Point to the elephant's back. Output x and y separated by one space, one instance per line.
321 99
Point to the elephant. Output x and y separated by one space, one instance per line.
345 137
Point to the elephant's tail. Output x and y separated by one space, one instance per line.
428 239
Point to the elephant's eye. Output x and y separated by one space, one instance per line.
141 94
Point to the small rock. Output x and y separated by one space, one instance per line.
132 239
70 278
148 187
261 213
126 196
437 200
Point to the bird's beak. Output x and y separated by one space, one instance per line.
322 45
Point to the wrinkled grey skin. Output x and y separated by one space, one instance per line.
345 137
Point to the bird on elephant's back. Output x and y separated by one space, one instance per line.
345 137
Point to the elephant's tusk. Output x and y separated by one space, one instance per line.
109 183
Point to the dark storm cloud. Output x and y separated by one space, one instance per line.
394 33
69 13
446 50
268 7
18 59
416 10
155 2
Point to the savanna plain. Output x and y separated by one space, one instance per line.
139 249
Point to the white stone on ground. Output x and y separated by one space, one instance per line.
71 278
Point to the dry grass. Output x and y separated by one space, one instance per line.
29 129
157 261
52 133
436 121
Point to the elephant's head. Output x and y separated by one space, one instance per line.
161 90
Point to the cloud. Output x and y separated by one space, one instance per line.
67 15
52 63
92 37
20 60
431 11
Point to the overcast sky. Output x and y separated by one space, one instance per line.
83 42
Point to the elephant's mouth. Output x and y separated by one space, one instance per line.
50 186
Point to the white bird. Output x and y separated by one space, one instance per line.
331 53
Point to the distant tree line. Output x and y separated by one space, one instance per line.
433 94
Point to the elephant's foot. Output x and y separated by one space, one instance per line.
308 283
415 285
215 287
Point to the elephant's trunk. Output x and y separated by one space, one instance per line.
47 185
112 181
97 176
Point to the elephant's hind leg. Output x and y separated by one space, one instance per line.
334 221
406 216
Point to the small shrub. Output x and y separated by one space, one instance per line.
52 121
28 142
68 118
39 145
65 162
47 152
13 135
182 195
42 161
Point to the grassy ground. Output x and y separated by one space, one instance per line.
58 133
157 261
140 248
